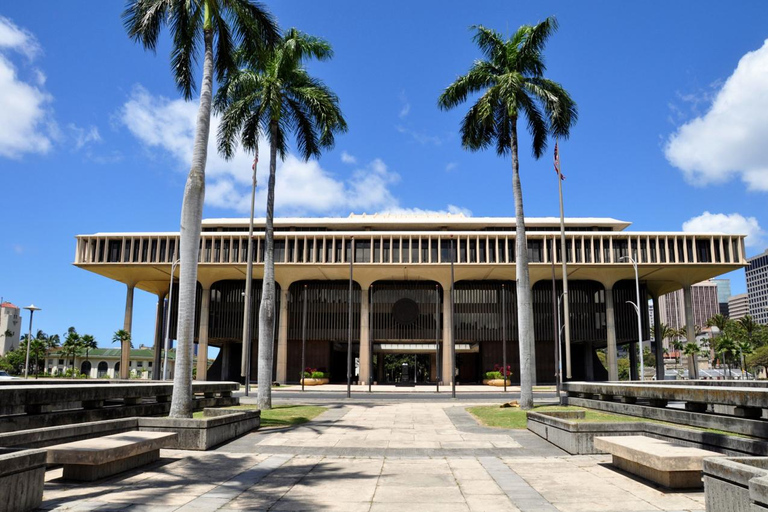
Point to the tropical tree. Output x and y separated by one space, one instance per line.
89 343
71 347
745 348
759 358
692 351
225 23
727 349
511 81
123 337
677 344
272 93
718 321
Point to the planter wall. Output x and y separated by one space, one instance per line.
219 426
314 382
22 475
496 382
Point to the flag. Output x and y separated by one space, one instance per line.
557 163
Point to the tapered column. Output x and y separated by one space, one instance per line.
125 348
657 334
226 350
202 341
610 327
282 337
690 330
157 359
447 326
365 339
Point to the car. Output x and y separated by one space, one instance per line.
4 376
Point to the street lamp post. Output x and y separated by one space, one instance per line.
639 318
168 322
31 308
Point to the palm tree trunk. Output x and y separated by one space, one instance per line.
267 307
524 299
189 244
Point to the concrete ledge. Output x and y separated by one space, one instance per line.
219 426
40 437
726 481
749 427
22 475
577 437
662 462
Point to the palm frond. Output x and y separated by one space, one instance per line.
185 27
482 74
490 42
143 20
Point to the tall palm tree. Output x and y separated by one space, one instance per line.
89 343
272 93
225 23
511 80
71 346
123 337
692 351
718 321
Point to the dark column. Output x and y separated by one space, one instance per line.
589 365
657 336
633 362
157 361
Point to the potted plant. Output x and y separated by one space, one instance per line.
314 377
496 377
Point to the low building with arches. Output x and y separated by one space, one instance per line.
104 363
403 270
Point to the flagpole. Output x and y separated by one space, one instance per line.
564 258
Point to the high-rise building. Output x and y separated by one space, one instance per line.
705 305
738 306
723 294
757 287
10 327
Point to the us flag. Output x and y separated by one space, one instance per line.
557 163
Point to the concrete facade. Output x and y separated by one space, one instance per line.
757 287
705 305
10 327
413 249
738 306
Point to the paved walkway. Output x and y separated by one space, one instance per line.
377 457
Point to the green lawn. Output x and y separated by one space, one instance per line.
513 417
282 415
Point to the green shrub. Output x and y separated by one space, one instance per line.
318 375
493 375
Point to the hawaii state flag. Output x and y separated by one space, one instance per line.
557 163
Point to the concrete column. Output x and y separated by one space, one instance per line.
657 336
633 362
282 337
125 349
202 342
225 352
365 339
610 327
690 329
447 325
157 359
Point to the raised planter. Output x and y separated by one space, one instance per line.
217 427
496 382
22 475
576 437
314 382
727 482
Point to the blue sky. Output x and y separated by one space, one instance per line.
94 137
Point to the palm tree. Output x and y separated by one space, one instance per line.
511 80
718 321
123 337
726 348
227 23
89 342
71 347
273 93
692 351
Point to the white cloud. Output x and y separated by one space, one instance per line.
451 209
729 139
451 166
302 188
734 224
25 125
420 137
405 107
15 38
347 158
82 137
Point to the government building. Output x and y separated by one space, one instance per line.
401 271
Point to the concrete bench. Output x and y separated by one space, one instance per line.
100 457
669 465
